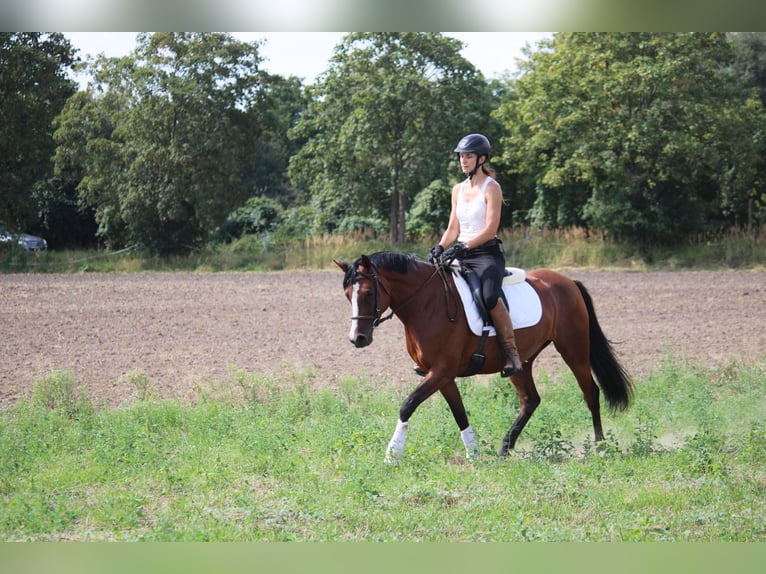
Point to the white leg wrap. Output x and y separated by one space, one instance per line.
470 442
396 444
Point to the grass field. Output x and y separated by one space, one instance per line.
261 459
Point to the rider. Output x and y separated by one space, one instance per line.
473 222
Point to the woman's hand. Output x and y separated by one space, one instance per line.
457 251
436 252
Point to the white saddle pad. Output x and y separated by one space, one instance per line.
526 309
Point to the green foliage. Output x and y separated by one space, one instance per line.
291 246
258 215
34 85
750 60
430 212
165 144
268 148
381 123
271 457
642 135
366 226
654 140
59 392
13 258
63 221
551 445
644 442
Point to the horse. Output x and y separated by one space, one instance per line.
438 337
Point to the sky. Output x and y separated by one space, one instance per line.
306 54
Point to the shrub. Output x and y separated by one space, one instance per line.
258 215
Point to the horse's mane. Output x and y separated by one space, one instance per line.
388 260
391 261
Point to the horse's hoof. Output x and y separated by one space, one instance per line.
391 460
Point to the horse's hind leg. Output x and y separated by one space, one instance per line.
580 367
529 399
591 393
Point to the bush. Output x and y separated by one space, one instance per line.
258 215
297 223
367 227
59 392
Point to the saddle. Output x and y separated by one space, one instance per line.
526 309
512 275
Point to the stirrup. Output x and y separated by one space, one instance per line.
511 369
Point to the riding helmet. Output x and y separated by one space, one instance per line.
474 143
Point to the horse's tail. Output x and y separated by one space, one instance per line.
612 377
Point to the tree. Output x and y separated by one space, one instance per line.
750 66
281 103
88 158
629 132
162 138
381 123
750 60
33 89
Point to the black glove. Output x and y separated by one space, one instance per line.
457 251
436 252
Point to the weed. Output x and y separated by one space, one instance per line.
704 453
59 392
643 445
549 443
753 445
610 446
142 385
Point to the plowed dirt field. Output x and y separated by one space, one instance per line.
185 331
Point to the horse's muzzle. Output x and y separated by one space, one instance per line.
361 340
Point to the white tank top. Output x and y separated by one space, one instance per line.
472 215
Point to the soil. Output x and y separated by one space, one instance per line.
184 332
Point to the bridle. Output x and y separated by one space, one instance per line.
377 319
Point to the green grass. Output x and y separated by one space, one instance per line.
527 248
260 458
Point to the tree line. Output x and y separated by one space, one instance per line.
652 138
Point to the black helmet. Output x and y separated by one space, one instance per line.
474 143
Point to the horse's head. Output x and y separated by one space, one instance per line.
368 298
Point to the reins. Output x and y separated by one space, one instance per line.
447 292
378 319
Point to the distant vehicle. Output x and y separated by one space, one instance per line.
25 240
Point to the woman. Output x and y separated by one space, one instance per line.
473 222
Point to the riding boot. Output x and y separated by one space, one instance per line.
505 337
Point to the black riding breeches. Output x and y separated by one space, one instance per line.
488 262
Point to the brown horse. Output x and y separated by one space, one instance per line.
441 343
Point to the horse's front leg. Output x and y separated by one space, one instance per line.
431 383
451 394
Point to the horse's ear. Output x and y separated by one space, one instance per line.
342 264
366 262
